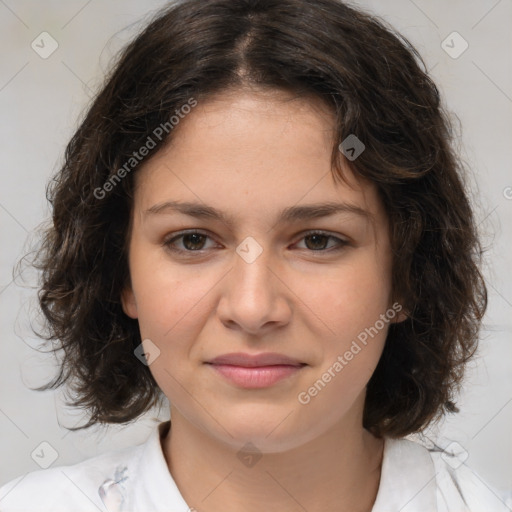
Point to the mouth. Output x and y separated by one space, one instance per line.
255 371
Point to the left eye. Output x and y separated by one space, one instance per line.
319 240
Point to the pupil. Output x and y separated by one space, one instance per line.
196 239
316 237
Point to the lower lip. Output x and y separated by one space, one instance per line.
257 377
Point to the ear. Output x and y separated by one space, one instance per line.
399 313
128 302
400 318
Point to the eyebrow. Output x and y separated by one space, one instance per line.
287 215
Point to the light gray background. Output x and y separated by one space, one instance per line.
41 101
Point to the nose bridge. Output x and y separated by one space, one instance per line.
251 269
252 297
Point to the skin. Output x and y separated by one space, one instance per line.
251 154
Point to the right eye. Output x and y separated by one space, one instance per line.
192 241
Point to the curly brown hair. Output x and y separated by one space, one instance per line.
375 83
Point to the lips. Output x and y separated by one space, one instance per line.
255 371
251 361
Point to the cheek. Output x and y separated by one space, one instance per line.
167 309
348 298
169 297
351 349
173 308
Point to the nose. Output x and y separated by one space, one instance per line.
255 297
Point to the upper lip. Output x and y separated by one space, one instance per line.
252 361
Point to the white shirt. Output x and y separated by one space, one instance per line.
413 479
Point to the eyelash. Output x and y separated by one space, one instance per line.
169 241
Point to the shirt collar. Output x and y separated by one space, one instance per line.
154 488
407 482
408 478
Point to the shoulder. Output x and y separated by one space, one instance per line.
80 487
442 476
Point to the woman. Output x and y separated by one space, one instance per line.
261 219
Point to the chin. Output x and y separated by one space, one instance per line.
269 431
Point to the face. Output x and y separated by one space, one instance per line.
268 271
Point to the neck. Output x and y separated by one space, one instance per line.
339 470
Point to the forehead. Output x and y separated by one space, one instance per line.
252 151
